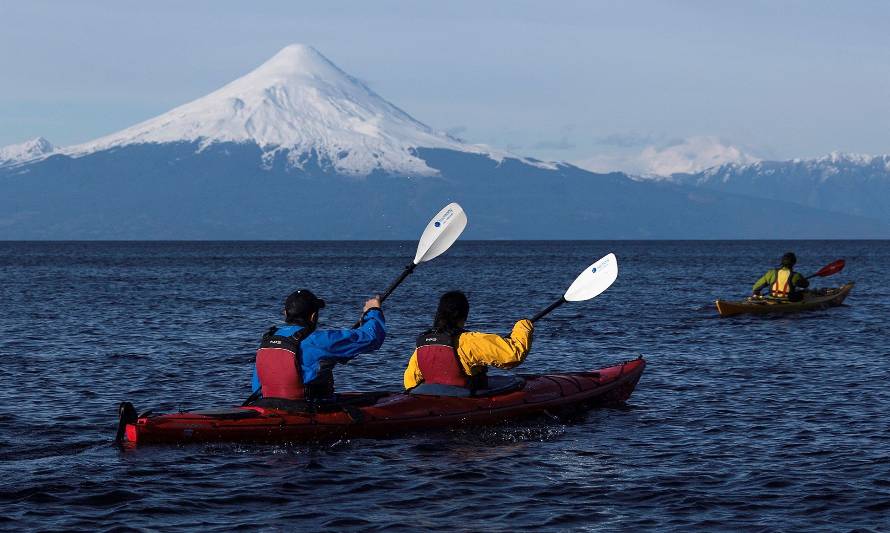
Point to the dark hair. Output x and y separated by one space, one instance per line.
789 259
299 306
453 309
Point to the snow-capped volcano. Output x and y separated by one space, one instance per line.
299 103
299 128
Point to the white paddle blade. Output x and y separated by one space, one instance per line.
441 233
594 280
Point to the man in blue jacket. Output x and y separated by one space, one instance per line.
296 361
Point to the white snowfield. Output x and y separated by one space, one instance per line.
301 104
26 151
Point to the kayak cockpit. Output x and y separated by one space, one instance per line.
496 385
337 403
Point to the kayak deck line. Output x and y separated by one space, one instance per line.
395 413
822 299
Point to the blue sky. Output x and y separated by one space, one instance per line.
580 81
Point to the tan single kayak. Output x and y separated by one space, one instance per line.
819 299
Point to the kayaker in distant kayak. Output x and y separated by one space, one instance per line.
783 281
448 355
296 361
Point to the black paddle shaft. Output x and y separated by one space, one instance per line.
398 281
549 308
389 290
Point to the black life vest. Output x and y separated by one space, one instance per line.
439 361
279 367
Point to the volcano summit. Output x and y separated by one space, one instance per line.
301 104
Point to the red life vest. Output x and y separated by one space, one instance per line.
439 362
279 365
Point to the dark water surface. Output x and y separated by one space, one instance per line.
746 423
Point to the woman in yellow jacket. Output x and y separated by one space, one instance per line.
446 355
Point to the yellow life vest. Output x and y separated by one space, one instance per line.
781 288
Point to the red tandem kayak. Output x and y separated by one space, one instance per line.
384 414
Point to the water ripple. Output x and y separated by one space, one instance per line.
754 423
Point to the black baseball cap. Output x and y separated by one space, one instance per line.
302 303
789 260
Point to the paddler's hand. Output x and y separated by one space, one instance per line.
372 303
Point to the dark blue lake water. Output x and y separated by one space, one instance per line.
755 423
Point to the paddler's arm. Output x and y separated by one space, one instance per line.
766 279
800 281
488 349
343 344
413 376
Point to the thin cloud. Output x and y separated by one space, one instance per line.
689 155
628 140
562 144
456 130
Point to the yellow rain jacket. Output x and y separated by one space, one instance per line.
479 350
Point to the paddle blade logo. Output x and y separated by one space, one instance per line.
446 216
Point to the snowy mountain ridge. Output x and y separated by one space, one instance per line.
27 151
855 184
302 105
836 165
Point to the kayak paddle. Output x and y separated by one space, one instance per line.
589 284
829 269
438 237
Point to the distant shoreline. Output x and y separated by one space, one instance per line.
346 241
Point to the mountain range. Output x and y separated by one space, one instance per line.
847 183
299 149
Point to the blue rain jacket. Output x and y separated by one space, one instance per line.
337 345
